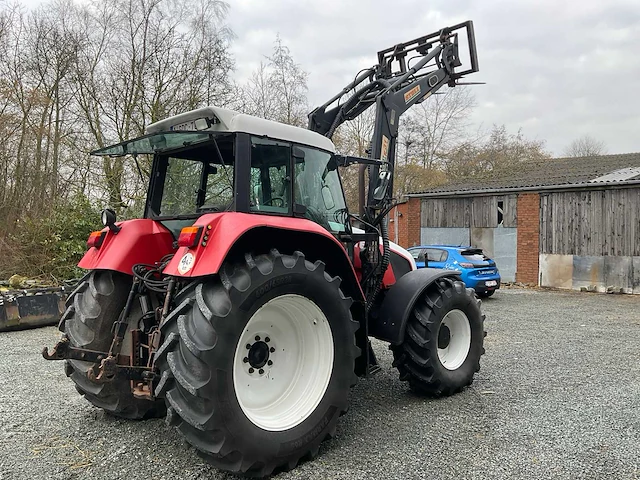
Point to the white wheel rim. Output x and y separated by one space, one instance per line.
454 335
299 364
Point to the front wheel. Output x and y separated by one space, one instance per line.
443 341
257 362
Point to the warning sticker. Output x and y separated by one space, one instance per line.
411 94
384 152
186 263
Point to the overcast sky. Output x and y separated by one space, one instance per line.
557 69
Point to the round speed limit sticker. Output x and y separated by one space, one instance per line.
186 263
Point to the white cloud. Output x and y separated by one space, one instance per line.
557 69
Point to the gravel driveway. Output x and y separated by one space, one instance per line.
558 396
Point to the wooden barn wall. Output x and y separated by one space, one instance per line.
591 223
469 212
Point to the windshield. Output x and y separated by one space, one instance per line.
194 180
154 143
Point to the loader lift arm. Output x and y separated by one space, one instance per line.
393 85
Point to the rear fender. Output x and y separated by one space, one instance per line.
399 300
138 241
229 235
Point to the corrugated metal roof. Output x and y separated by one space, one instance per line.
619 175
573 171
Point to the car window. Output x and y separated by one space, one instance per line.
474 255
436 255
415 253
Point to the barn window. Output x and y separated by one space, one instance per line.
500 211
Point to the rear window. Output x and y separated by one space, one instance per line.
437 255
474 255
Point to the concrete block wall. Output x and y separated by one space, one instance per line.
576 272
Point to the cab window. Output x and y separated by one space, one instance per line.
270 185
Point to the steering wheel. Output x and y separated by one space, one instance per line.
273 199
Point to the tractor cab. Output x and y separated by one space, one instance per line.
215 160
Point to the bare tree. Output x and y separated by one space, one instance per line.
354 138
76 76
277 90
436 126
146 60
260 99
500 150
585 146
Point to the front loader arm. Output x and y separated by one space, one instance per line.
394 86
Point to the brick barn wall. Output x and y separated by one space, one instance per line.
528 238
403 218
407 216
413 222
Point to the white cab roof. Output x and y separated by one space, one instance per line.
232 121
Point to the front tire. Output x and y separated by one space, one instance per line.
257 362
443 341
92 308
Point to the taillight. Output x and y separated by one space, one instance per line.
466 265
189 236
96 238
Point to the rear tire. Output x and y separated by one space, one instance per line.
443 341
92 308
221 391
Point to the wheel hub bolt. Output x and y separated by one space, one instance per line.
245 360
261 371
248 346
272 349
269 363
251 370
257 338
267 339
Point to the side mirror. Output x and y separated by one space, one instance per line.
298 153
327 198
382 185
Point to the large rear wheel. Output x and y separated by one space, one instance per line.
443 341
92 309
257 362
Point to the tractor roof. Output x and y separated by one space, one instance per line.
224 120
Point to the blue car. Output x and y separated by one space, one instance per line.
476 269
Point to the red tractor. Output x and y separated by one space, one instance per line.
242 304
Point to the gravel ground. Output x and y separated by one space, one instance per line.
558 396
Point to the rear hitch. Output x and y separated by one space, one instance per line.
106 371
106 367
63 351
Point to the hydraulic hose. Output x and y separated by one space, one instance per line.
384 263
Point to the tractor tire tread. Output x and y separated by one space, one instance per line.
190 337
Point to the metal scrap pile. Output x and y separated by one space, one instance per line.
30 307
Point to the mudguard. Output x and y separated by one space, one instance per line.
223 231
138 241
398 303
